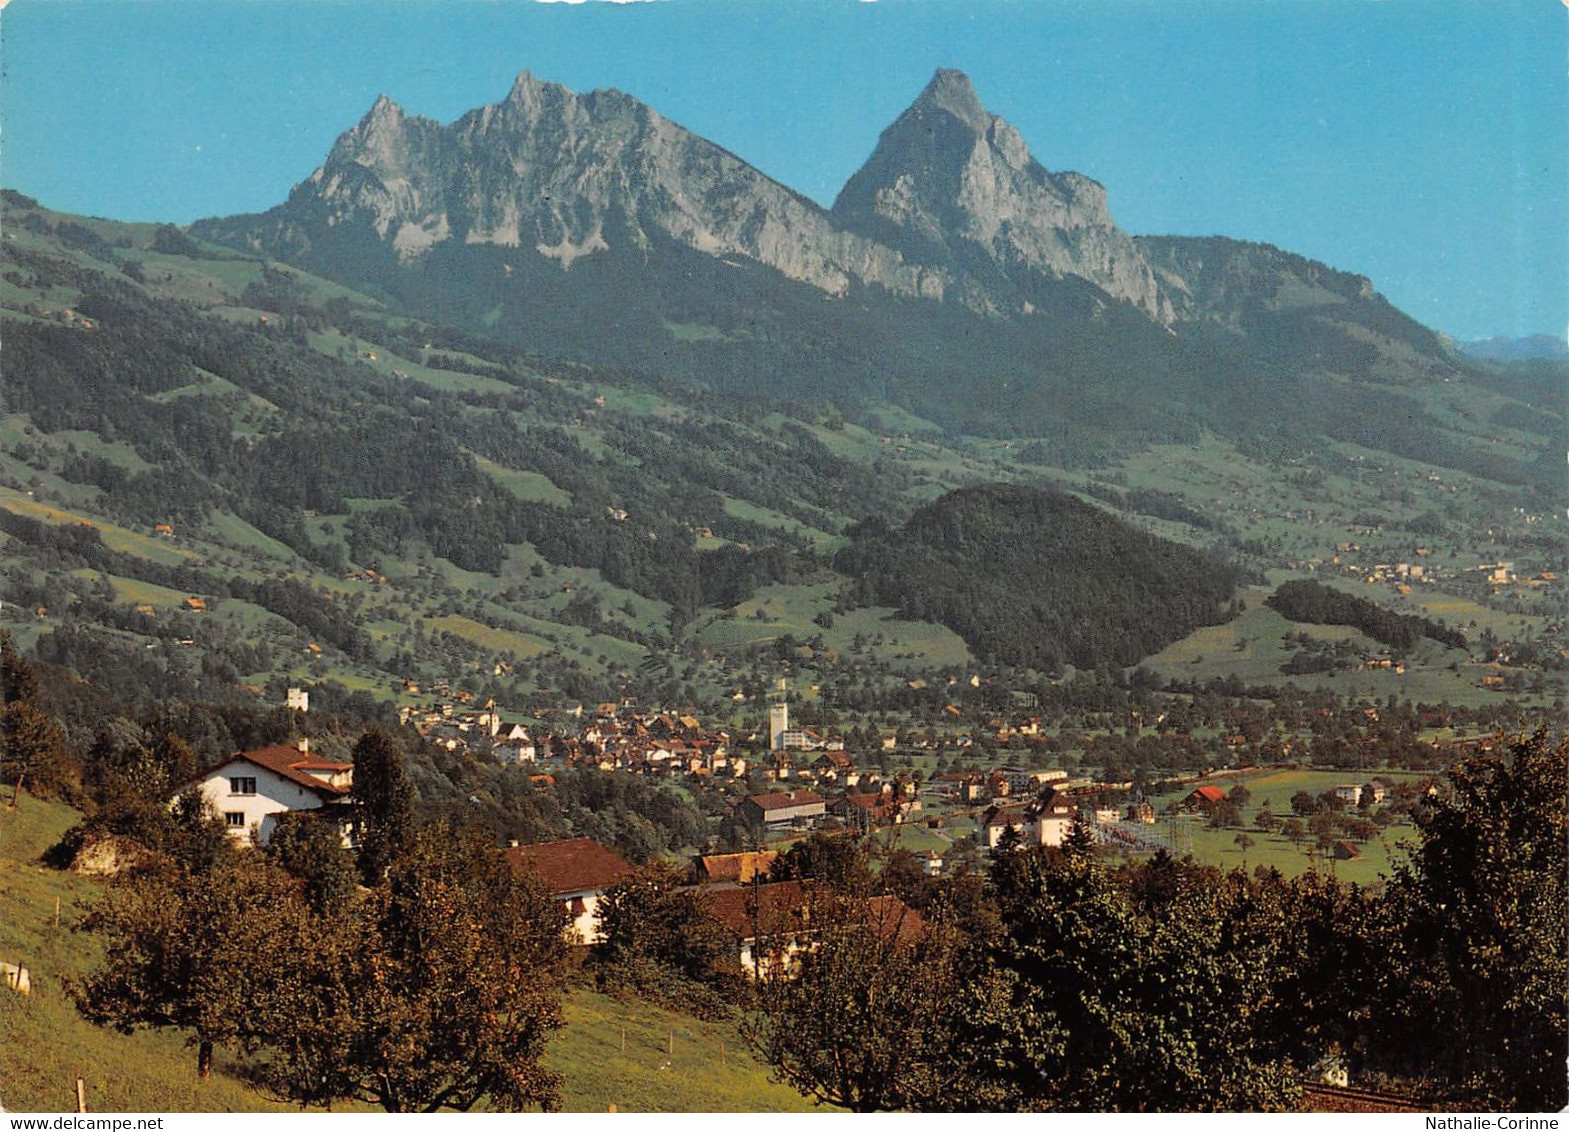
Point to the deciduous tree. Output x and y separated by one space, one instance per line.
189 951
451 994
1480 965
384 803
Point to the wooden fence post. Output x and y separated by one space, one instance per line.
81 1095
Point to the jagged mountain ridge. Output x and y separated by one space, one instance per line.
955 275
555 173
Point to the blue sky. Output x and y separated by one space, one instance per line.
1424 143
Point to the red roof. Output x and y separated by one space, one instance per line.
784 801
291 763
784 907
579 865
1210 793
868 802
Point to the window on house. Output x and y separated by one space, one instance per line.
242 786
234 819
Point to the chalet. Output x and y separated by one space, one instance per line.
1056 803
772 923
195 604
251 788
793 807
1204 798
1142 812
163 530
1345 851
577 873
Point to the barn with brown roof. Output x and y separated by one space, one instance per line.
1204 798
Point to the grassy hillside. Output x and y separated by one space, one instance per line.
47 1045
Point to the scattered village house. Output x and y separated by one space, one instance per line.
868 811
794 807
773 923
576 873
250 789
733 868
1032 826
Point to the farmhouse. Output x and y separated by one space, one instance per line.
576 873
251 788
1204 797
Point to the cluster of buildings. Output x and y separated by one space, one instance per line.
768 921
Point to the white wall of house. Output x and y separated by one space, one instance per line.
248 814
1053 829
1050 829
583 907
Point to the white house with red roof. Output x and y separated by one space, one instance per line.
249 789
576 873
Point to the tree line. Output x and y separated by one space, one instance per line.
1318 604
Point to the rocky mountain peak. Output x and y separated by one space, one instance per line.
950 183
950 207
951 92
